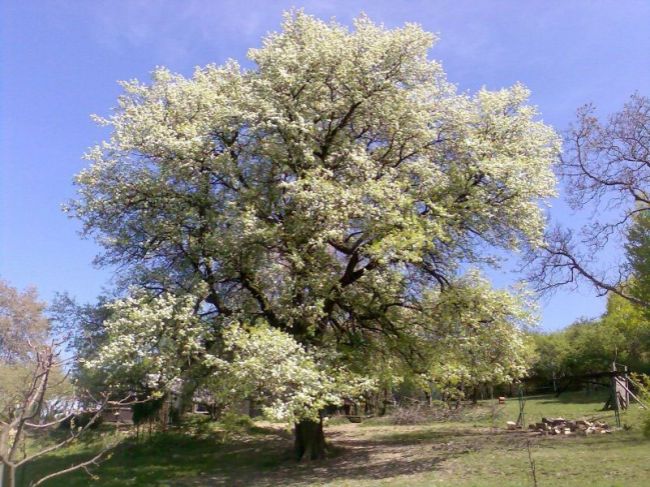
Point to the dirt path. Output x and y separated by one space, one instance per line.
368 453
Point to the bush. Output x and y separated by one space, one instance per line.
232 422
198 424
147 411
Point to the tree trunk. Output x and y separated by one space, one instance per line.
309 440
7 475
475 394
428 398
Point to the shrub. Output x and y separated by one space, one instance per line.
232 422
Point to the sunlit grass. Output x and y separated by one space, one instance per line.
474 450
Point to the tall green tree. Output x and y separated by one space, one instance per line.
638 255
331 193
622 335
628 326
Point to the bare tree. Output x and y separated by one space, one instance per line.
606 168
36 396
27 415
24 415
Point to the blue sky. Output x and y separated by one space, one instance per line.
60 61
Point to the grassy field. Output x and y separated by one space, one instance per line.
473 450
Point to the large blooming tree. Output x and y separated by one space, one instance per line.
332 193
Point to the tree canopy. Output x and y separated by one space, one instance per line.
336 192
23 324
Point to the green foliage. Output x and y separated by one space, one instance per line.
638 254
584 347
147 411
593 346
198 425
232 422
622 334
551 352
628 325
12 382
479 335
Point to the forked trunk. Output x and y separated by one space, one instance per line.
309 440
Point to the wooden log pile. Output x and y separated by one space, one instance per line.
561 426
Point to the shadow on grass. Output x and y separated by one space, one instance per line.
163 457
262 459
596 397
263 456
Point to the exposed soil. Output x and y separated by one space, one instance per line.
371 453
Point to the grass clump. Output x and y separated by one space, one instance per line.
642 382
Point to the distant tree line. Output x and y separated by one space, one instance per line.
622 334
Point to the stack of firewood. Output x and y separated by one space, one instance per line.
561 426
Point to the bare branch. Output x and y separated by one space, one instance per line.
93 461
606 167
